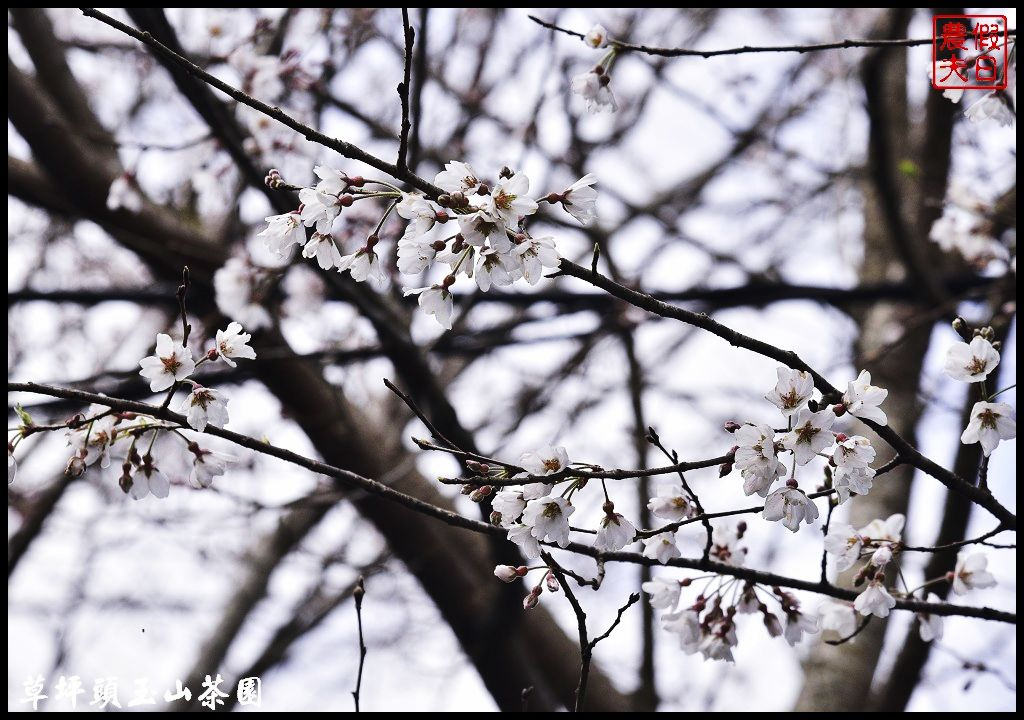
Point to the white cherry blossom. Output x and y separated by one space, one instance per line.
661 547
207 466
235 290
852 480
838 618
596 37
318 209
792 391
972 573
580 200
810 434
549 519
756 459
594 88
171 363
930 626
790 505
509 201
875 600
546 460
845 544
457 177
325 249
862 399
435 300
363 265
283 231
535 254
205 406
971 363
614 532
672 503
522 535
990 423
232 343
664 593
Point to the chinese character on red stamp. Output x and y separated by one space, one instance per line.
969 52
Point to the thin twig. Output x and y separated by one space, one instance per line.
687 52
357 595
403 95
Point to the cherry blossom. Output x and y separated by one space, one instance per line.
664 593
851 480
232 343
672 503
971 573
522 535
283 231
235 288
149 480
171 363
506 573
862 399
992 106
362 265
725 547
838 618
661 547
798 623
875 600
687 626
435 300
207 466
319 209
790 505
845 543
547 460
457 177
614 532
792 391
854 452
990 423
596 37
756 459
580 200
930 626
535 254
548 517
508 201
422 214
810 434
510 503
971 363
332 182
593 87
325 249
205 405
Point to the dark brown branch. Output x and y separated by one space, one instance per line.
373 487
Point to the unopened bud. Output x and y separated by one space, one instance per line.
506 573
346 200
75 467
495 517
732 426
724 469
531 600
552 582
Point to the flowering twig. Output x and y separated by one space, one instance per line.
454 519
654 439
744 49
906 451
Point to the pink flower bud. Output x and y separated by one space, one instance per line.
506 573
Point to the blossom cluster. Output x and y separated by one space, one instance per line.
878 543
475 228
972 362
759 450
129 441
707 625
